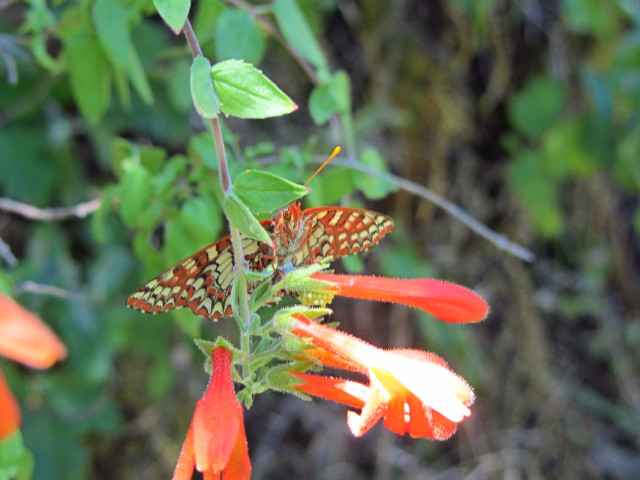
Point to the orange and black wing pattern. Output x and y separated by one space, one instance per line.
341 231
201 282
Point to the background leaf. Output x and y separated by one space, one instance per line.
174 12
237 36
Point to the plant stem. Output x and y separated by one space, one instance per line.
243 316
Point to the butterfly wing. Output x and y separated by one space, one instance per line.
341 231
201 282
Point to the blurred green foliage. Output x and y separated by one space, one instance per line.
101 107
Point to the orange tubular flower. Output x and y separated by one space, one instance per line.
27 340
413 391
447 301
216 444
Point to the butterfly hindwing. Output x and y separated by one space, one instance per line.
201 282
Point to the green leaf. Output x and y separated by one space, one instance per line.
173 12
138 77
564 152
537 106
297 32
89 74
204 20
137 188
202 91
238 36
330 186
373 188
322 104
537 193
246 92
265 192
201 217
178 78
240 215
110 18
16 462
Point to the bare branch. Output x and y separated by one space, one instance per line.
25 210
41 289
7 254
500 241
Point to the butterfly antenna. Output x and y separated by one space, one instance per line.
335 152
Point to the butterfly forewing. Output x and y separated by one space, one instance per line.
341 231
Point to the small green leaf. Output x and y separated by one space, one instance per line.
322 104
246 92
137 188
179 78
240 215
238 36
537 193
202 91
265 192
373 188
537 106
137 76
110 19
201 217
16 462
330 98
330 186
173 12
89 74
297 32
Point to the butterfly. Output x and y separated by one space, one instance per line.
203 281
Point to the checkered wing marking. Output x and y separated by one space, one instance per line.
341 231
201 282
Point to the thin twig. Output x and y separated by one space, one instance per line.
6 253
25 210
42 289
500 241
243 316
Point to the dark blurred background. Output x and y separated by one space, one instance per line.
523 113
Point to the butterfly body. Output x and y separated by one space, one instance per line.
203 281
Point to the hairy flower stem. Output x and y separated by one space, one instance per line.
242 316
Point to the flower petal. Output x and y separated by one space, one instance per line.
26 339
239 466
186 460
217 417
10 416
347 392
444 300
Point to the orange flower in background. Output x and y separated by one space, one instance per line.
27 340
444 300
216 444
413 391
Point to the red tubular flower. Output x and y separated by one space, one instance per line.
216 443
413 391
10 417
27 340
447 301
